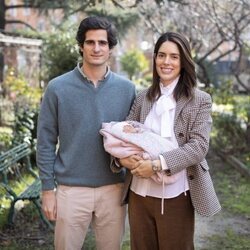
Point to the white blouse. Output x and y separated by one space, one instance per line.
161 121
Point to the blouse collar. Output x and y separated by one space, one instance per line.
169 89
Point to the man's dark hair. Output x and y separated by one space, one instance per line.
96 23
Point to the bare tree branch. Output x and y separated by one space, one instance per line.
35 6
20 22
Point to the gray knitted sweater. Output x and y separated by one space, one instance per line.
71 115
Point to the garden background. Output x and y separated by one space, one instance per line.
37 43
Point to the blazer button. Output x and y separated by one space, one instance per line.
191 177
167 172
181 135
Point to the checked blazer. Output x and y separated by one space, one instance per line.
192 125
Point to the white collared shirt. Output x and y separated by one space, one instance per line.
161 121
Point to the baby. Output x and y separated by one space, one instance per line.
123 139
129 128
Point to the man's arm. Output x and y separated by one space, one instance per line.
47 134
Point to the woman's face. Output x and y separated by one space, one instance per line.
168 62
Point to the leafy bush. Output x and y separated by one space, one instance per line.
25 125
231 120
60 53
227 133
134 63
18 90
5 140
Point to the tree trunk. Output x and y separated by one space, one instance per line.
248 129
2 15
2 27
203 75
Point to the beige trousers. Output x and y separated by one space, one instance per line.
77 207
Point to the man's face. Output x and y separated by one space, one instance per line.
95 48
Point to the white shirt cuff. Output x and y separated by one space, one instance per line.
163 163
117 163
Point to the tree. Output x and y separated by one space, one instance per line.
134 62
215 28
43 6
59 59
69 7
123 20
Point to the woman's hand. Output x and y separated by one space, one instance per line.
143 168
129 162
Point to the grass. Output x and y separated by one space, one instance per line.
234 192
230 241
89 243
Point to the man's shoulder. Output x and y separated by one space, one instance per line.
63 78
58 83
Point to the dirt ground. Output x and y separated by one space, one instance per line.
30 233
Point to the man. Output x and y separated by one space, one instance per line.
70 149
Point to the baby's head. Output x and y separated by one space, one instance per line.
128 128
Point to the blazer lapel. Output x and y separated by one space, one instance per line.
179 106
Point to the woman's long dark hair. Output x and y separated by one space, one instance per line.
187 80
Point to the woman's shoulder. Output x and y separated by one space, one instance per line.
201 94
142 93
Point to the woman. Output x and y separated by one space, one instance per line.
162 216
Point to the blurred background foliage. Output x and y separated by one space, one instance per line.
139 22
134 63
59 53
231 122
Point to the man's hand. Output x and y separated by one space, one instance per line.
129 162
49 204
143 168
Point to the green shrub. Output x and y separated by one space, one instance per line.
5 140
134 63
25 125
227 133
231 121
60 53
18 89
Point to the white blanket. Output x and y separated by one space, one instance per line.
123 139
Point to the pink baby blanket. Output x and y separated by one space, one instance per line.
123 139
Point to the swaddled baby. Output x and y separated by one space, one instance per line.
123 139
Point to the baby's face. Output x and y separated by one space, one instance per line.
129 129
